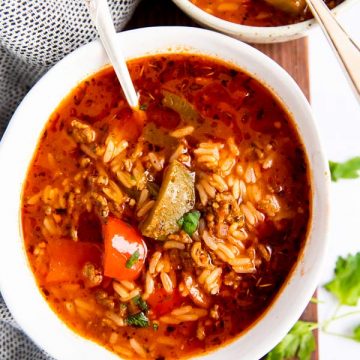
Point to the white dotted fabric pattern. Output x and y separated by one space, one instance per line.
34 35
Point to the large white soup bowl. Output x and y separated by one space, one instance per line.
256 34
18 285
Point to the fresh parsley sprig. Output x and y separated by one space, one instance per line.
349 169
345 286
356 333
346 283
299 342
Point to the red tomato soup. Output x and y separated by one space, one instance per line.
260 12
165 233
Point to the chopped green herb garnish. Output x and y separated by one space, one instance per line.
143 107
190 221
138 320
299 342
155 326
138 301
346 283
349 169
132 260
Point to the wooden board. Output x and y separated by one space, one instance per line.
292 56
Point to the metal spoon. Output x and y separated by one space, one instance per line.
101 17
347 51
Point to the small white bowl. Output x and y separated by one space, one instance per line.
253 34
17 282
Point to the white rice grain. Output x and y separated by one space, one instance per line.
137 347
209 241
145 208
170 244
202 194
166 282
154 261
182 132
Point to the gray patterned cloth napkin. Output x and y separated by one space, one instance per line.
34 35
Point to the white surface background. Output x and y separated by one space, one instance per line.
338 116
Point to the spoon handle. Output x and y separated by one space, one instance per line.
347 51
100 14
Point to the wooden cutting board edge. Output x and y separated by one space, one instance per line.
293 57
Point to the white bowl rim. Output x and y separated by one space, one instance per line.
255 34
61 342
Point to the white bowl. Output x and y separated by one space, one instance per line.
253 34
17 282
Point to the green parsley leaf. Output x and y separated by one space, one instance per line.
133 259
138 301
138 320
299 342
143 107
346 170
155 326
189 222
356 333
346 283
